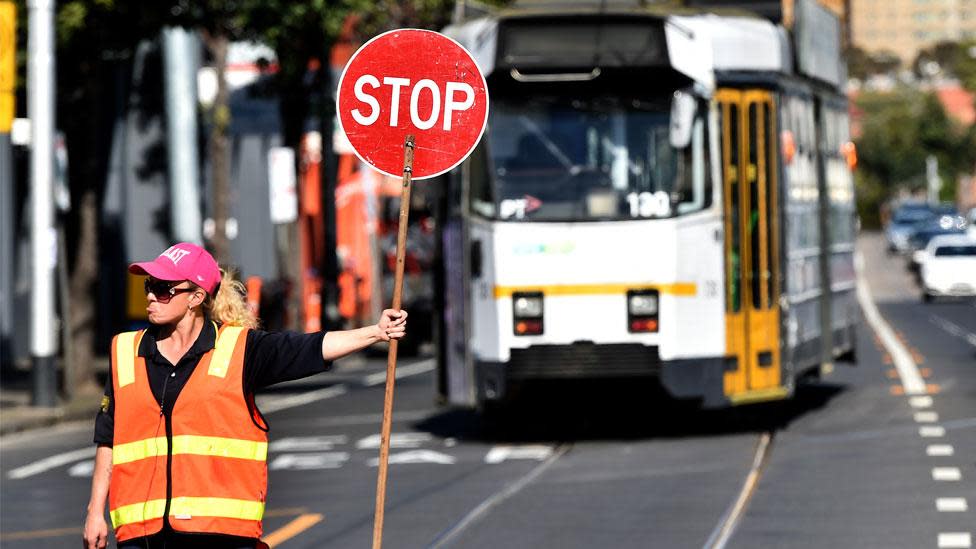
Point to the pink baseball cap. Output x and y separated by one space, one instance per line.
183 261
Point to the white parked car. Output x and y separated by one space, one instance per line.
948 267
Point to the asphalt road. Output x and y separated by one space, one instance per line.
849 462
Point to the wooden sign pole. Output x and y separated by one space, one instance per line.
408 147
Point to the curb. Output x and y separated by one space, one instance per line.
26 418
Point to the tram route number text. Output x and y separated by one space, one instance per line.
647 204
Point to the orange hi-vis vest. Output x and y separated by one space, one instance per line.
217 453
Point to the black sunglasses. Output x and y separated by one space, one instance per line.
164 290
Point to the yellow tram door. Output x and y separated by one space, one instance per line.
749 171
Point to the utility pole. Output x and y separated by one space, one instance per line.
932 178
44 250
8 75
180 50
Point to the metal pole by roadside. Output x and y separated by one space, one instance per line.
8 76
40 110
180 49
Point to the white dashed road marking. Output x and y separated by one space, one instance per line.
955 540
946 474
951 505
938 450
921 402
931 431
926 417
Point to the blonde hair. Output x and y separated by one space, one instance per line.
229 306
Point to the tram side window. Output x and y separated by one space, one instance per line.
753 223
806 171
769 129
690 192
479 189
839 179
735 228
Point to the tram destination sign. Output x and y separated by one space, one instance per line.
412 82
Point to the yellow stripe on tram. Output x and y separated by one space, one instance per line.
675 288
191 444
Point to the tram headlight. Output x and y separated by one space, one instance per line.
527 306
527 313
642 304
642 311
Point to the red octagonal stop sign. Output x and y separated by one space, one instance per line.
412 81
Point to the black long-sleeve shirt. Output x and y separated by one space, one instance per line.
269 358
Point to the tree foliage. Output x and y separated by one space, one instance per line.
949 59
862 64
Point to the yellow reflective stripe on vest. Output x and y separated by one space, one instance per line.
222 447
191 444
138 512
226 342
188 507
125 354
140 449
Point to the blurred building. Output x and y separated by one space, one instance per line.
904 27
780 11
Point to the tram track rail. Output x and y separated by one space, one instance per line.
732 517
482 509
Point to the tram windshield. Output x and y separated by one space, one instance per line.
560 159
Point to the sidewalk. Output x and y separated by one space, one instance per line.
17 414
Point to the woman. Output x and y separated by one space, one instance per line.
182 448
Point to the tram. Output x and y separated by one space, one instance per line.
658 194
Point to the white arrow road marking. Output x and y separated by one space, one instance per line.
305 462
82 468
416 456
397 440
307 444
52 462
269 404
947 474
401 372
499 454
911 379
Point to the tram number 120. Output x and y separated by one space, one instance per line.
648 204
